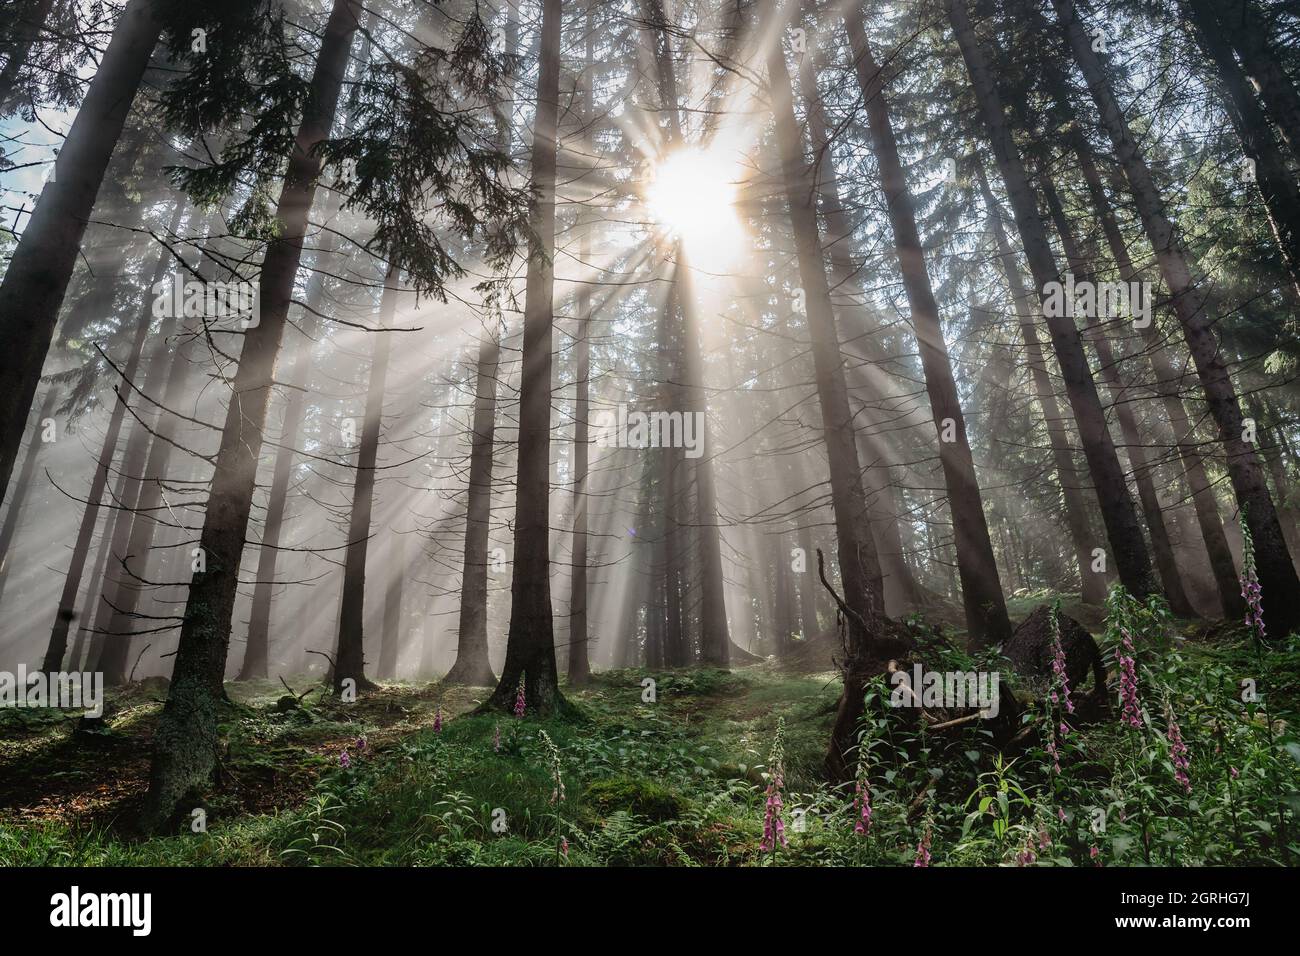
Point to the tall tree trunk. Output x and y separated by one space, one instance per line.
41 266
579 662
1204 503
1128 549
986 610
19 498
898 581
859 567
715 639
530 646
350 658
1277 575
807 588
257 648
390 644
1166 566
132 463
185 743
1092 585
94 592
472 666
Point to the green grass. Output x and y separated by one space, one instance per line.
681 780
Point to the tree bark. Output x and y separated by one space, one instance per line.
185 742
986 611
349 658
530 645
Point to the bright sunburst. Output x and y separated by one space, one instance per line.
693 196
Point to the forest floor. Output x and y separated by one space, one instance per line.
677 780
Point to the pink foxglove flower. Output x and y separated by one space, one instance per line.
862 806
923 849
1128 685
344 760
773 817
519 697
437 720
1060 678
1177 749
1250 589
496 739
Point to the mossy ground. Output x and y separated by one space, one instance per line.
679 780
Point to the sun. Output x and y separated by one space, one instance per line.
693 197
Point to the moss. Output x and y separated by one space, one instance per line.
643 798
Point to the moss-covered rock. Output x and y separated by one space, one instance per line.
637 796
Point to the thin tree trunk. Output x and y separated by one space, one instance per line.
579 663
391 642
38 273
94 591
349 659
1166 566
132 463
1093 586
185 742
19 498
715 639
986 610
1277 575
899 583
807 588
1128 549
257 648
1204 503
472 666
859 567
530 646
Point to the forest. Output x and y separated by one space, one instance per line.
657 433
